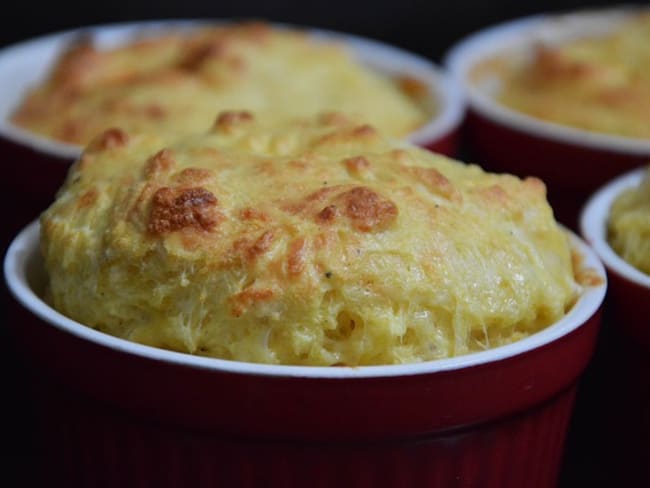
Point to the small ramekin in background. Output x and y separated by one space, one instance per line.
35 166
572 162
629 291
626 360
115 413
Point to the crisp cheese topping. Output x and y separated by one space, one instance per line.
178 81
597 83
315 242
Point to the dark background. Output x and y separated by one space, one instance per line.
428 28
425 27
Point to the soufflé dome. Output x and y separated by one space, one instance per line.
313 242
174 81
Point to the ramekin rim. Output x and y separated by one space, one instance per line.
450 98
593 225
461 56
25 245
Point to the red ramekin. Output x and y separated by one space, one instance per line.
572 162
36 166
115 413
629 291
626 377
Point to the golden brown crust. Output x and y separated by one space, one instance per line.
297 256
266 243
367 210
249 213
176 82
436 182
174 209
229 120
89 198
160 163
598 83
245 299
356 165
109 139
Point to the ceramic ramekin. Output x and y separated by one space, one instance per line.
626 360
629 291
572 162
115 413
35 166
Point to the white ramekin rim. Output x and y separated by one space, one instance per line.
23 253
521 32
448 117
593 226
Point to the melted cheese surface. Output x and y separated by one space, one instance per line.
629 225
315 242
175 83
598 83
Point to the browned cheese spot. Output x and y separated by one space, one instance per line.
346 135
227 121
256 31
298 164
324 239
88 198
364 131
175 209
583 275
315 198
413 87
194 176
320 194
161 162
260 246
109 139
436 182
71 131
246 298
249 213
327 215
201 53
535 185
333 119
220 46
496 194
367 210
296 256
155 111
356 165
78 65
552 64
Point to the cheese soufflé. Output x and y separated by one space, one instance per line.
629 225
598 82
312 242
175 81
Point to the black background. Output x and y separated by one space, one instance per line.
427 28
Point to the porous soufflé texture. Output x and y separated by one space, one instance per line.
629 225
598 82
176 81
318 242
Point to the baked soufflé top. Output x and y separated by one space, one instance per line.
312 242
176 80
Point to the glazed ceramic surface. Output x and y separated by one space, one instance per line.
494 418
572 162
